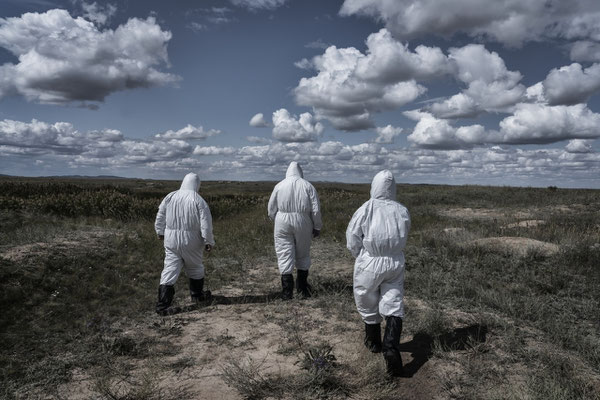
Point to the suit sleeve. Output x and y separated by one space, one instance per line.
315 206
206 226
272 207
160 222
354 233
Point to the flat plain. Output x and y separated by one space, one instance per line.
502 297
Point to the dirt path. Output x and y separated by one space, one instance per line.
248 342
211 338
259 332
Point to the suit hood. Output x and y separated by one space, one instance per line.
294 170
383 186
190 182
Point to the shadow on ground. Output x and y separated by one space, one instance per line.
246 299
422 345
225 300
331 286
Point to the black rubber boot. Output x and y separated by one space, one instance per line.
373 337
302 286
287 286
165 298
196 291
391 346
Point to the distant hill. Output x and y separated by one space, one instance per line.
69 177
88 177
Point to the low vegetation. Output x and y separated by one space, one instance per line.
502 294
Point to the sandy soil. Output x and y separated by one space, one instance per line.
467 213
213 335
516 245
248 323
90 238
528 223
471 213
252 327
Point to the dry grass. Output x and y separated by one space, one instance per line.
494 320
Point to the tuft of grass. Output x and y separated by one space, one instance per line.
246 377
120 384
560 379
65 296
433 322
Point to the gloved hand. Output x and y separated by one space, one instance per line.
316 233
208 248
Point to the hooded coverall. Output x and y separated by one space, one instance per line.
294 205
376 236
185 221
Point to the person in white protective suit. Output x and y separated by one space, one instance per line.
184 223
376 236
294 206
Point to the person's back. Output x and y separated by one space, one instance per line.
293 194
182 211
294 206
184 223
385 222
185 213
376 236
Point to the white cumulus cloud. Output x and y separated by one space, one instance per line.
258 121
571 84
538 123
529 124
350 85
432 132
491 87
509 22
59 143
579 146
60 137
106 148
303 64
387 134
64 59
288 128
213 150
189 132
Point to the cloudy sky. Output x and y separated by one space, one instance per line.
500 92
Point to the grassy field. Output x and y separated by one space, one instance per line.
502 294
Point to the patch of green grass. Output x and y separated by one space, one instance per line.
62 301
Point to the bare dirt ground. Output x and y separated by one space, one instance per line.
528 223
208 338
89 238
519 246
468 213
247 323
251 326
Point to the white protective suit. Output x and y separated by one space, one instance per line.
294 205
376 236
185 221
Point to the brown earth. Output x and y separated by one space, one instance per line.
255 327
249 325
519 246
528 223
89 238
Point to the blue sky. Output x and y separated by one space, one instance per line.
464 91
